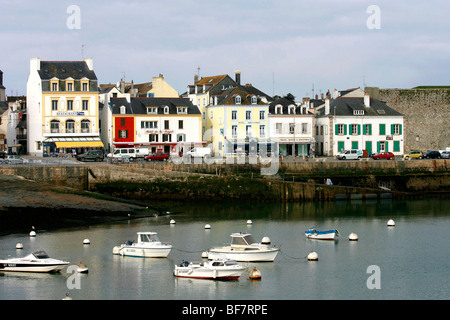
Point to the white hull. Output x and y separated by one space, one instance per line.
36 268
143 252
207 270
321 235
243 255
37 261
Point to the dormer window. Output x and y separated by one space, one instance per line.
279 109
122 110
237 99
358 112
54 84
166 110
152 110
291 110
254 100
182 110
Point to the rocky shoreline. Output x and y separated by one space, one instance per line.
25 203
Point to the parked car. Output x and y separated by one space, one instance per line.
383 155
445 155
413 154
159 156
352 154
15 159
2 154
432 154
95 155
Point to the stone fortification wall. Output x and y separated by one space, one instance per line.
427 115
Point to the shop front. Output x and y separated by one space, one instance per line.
65 147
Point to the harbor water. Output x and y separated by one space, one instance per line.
407 261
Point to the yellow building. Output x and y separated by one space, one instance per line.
62 107
157 88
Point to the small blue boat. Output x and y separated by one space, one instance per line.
312 233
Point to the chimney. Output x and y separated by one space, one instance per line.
367 100
90 63
238 76
335 94
122 86
327 106
1 78
195 79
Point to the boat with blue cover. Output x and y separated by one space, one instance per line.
312 233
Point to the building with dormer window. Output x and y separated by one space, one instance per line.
62 107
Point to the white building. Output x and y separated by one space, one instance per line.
351 119
62 107
291 127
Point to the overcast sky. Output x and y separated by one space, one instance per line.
281 46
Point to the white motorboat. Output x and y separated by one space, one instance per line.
38 261
218 269
321 235
146 246
244 247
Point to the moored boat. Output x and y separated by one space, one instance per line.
244 247
147 245
38 261
312 233
217 269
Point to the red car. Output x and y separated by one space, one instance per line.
157 157
383 155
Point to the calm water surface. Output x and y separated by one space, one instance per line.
413 256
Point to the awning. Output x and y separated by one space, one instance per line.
79 144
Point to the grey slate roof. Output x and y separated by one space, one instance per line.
343 106
139 105
65 69
285 103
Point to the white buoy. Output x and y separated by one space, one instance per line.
391 223
353 237
204 254
19 246
82 268
172 221
207 226
67 297
265 240
255 274
313 256
32 233
86 241
249 221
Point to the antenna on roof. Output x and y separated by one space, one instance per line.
82 51
198 71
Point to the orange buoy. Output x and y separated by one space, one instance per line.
255 274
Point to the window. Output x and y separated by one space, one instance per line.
153 138
238 99
180 124
262 115
278 128
382 129
367 129
291 110
85 126
248 131
234 131
396 129
69 105
355 129
149 125
54 126
291 128
85 105
254 100
123 133
69 86
54 105
262 131
234 115
305 128
182 110
70 126
341 129
358 112
123 122
166 110
396 146
167 137
278 110
152 110
122 110
248 115
181 137
54 86
166 124
85 86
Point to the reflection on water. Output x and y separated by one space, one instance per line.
340 273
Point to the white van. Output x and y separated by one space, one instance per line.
199 152
352 154
131 153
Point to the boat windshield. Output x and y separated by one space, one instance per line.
146 237
40 255
243 240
